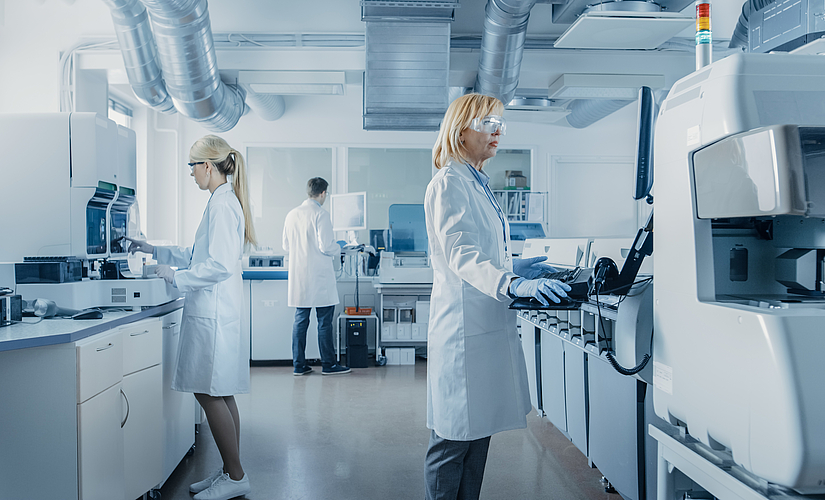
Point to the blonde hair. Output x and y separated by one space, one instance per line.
456 120
228 161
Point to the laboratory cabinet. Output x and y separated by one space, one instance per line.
603 413
179 408
271 322
85 419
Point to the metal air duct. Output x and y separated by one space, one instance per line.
187 56
407 49
140 56
502 47
270 107
585 112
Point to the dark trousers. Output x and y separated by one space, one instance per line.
454 469
299 336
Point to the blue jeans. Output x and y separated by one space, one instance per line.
454 470
299 336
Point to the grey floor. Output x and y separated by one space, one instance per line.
364 435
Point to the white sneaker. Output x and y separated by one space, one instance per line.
225 488
206 483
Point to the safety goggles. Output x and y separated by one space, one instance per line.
490 124
192 165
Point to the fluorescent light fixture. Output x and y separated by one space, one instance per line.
622 30
586 86
294 82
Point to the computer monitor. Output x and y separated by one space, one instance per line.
644 145
349 213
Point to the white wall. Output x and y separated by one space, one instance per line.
34 33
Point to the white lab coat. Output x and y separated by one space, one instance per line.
212 356
476 375
310 244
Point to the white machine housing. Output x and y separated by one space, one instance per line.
64 165
738 360
130 293
405 267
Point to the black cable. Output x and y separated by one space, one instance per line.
357 255
609 355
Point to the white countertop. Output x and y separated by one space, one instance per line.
51 331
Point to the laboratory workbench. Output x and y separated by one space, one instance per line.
51 331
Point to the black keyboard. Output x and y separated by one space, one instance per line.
576 278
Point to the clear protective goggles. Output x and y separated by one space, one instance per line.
490 124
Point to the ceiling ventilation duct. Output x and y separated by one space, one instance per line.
585 112
502 47
137 46
269 107
407 63
187 55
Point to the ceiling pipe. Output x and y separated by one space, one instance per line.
187 55
585 112
269 107
140 56
502 47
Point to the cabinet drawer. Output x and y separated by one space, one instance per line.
99 363
142 345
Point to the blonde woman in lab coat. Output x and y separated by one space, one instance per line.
476 375
212 360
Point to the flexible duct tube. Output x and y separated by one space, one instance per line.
187 56
137 46
741 31
585 112
268 106
502 47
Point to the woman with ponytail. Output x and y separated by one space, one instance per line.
212 360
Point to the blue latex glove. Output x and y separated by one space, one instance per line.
539 289
341 243
532 268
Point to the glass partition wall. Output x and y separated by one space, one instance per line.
278 177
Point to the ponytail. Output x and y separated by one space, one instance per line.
228 161
241 187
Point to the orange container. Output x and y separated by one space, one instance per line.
362 311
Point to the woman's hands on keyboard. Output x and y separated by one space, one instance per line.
532 268
539 289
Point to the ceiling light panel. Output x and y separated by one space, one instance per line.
626 30
600 86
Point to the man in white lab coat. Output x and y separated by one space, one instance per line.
310 245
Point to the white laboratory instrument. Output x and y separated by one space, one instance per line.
405 267
73 188
740 180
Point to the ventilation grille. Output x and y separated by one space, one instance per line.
407 75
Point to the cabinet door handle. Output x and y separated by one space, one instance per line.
138 334
127 409
173 325
107 346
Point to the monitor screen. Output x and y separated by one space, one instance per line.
644 144
348 211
